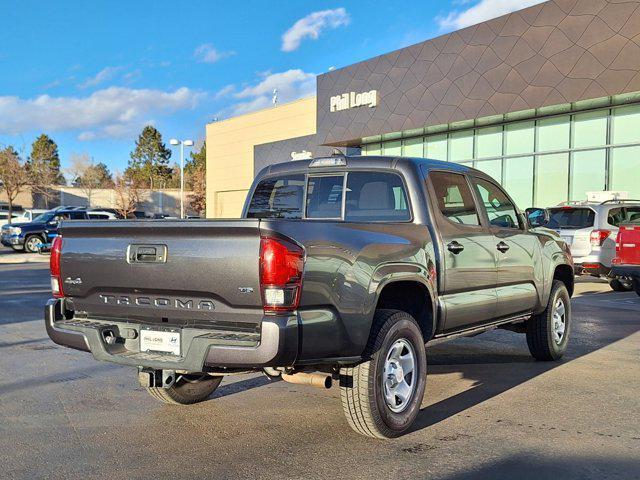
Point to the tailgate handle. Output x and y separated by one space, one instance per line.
147 253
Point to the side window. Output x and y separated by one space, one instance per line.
324 196
77 215
500 210
632 214
615 217
376 196
454 197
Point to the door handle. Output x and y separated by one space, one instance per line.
455 247
503 247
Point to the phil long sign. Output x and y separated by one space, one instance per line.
349 100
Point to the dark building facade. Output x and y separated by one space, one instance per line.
545 99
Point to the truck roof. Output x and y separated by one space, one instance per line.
364 162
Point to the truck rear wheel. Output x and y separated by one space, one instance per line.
548 332
187 389
381 396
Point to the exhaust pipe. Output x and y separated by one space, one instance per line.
319 380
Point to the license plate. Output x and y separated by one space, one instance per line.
160 341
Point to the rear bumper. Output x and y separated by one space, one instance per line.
275 345
583 266
632 271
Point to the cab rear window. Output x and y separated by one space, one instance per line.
369 197
571 218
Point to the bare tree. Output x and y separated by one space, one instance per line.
84 174
127 195
13 175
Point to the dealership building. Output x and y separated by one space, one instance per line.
546 100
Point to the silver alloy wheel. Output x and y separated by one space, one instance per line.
559 324
32 244
399 378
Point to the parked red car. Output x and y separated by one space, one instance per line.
627 261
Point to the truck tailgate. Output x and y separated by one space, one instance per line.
628 245
197 273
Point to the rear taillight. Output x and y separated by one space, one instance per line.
281 267
54 266
599 236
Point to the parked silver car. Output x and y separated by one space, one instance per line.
590 230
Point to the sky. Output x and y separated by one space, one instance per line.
92 74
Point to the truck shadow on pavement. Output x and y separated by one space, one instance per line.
536 467
491 364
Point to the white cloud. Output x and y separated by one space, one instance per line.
291 85
109 112
102 76
482 11
207 53
312 25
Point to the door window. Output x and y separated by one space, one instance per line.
500 210
454 198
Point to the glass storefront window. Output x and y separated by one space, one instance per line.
493 168
518 180
461 144
520 138
553 133
489 142
552 179
392 148
372 149
413 147
588 173
626 124
625 170
436 147
590 129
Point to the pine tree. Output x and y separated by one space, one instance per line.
149 164
195 178
43 167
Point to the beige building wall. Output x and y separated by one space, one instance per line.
230 150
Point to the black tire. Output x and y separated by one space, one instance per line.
30 242
618 285
542 341
361 387
187 390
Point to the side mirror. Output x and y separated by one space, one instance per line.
53 223
537 217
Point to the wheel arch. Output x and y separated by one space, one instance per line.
412 295
565 274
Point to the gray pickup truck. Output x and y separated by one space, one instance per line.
341 268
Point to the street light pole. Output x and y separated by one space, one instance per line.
182 143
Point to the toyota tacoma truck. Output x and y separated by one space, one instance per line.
340 268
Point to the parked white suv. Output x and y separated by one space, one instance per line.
590 230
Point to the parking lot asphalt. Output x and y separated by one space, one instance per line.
490 411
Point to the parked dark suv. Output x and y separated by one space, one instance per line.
28 236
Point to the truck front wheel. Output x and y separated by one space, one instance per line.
548 332
187 389
381 396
